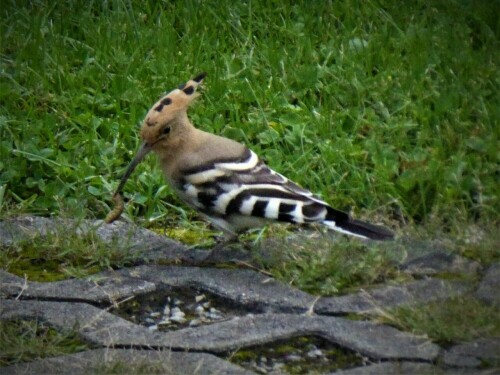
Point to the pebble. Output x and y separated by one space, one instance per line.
278 365
173 312
166 310
315 353
293 358
177 315
164 322
177 311
214 314
199 310
195 322
260 369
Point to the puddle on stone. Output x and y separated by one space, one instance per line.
299 355
175 308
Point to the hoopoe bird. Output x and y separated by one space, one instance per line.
226 181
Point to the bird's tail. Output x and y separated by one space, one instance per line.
341 222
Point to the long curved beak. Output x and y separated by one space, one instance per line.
141 153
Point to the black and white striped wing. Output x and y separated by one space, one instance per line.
246 186
232 189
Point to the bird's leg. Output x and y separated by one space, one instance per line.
218 253
224 241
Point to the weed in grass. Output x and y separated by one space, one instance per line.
61 255
323 266
137 367
448 322
485 250
22 341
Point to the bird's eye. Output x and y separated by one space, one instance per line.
166 130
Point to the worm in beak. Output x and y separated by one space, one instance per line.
117 197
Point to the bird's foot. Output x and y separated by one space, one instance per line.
228 251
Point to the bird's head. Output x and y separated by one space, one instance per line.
165 123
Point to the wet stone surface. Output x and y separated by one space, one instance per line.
413 293
247 288
298 355
194 318
176 308
129 361
95 289
489 288
474 354
408 368
440 262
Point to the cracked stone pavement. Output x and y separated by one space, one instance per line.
273 311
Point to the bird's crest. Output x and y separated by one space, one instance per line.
175 102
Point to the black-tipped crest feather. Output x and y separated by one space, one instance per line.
200 77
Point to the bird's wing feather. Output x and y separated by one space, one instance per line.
246 186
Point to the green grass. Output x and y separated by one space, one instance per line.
448 322
322 266
389 110
22 341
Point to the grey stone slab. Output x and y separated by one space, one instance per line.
131 235
97 288
416 247
17 229
489 288
405 368
128 361
94 324
242 286
420 291
10 285
118 234
150 245
474 353
98 326
13 230
370 339
441 262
